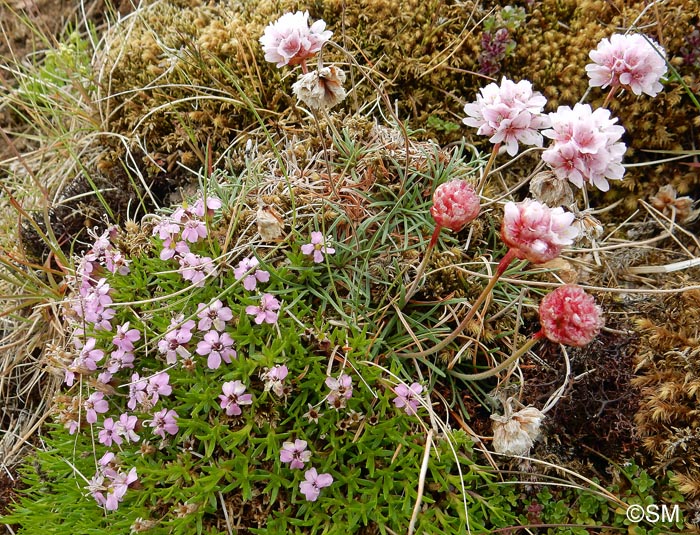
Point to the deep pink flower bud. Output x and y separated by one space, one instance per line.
536 232
570 316
455 203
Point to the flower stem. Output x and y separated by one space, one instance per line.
503 365
502 266
608 97
421 269
489 164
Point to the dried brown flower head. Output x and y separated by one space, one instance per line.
322 88
668 203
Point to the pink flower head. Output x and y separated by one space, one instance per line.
266 311
407 397
173 344
158 385
509 114
633 61
536 232
247 270
586 146
215 315
455 204
274 379
125 337
164 421
317 247
570 316
195 268
295 453
218 347
341 390
213 204
233 396
290 40
110 433
313 484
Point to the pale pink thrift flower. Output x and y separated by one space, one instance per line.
570 316
455 204
233 396
536 232
509 114
313 484
217 347
407 397
265 312
633 61
295 453
317 247
247 270
290 40
586 146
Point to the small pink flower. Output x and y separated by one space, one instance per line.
213 204
274 379
509 114
290 40
295 453
247 270
110 433
407 397
455 204
570 316
317 247
137 392
233 397
94 405
194 230
341 390
266 311
218 347
536 232
126 427
164 421
633 61
314 482
215 315
195 268
158 385
125 337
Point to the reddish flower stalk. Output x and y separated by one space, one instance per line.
534 232
455 205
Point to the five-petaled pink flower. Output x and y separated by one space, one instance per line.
341 390
313 484
317 247
274 379
95 404
455 204
633 61
164 421
290 40
266 310
536 232
218 347
215 314
570 316
586 146
247 270
509 114
295 453
233 396
407 397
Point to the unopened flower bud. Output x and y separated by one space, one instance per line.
570 316
455 204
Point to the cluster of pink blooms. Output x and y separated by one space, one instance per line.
632 61
296 454
317 248
407 397
509 114
273 380
109 485
183 227
291 41
570 316
586 146
536 232
455 205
